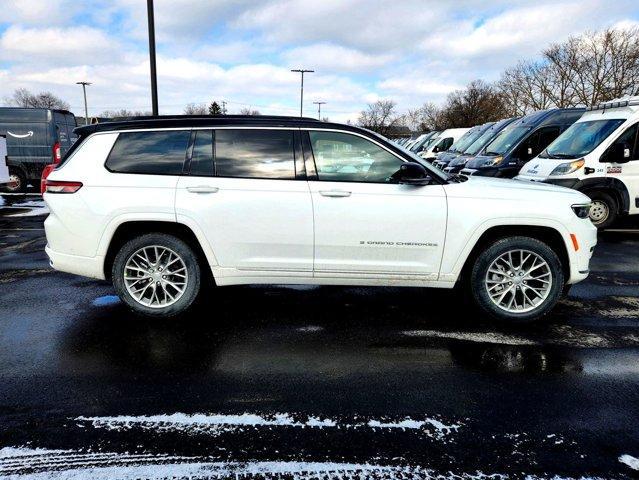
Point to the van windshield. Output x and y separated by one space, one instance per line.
480 142
463 143
581 138
506 139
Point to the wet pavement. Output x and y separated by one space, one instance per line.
312 382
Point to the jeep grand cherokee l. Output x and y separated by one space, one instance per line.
155 204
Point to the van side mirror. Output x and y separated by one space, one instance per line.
435 149
617 153
412 173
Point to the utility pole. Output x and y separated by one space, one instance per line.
84 91
319 109
223 107
302 71
154 78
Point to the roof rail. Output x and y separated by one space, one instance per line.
618 103
208 117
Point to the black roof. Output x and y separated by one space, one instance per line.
186 121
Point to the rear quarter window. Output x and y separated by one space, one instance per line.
156 152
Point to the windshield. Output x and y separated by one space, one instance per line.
467 139
506 139
480 142
581 138
417 145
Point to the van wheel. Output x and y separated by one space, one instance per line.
17 182
157 275
603 212
517 279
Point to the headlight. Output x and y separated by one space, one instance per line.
569 167
582 211
493 162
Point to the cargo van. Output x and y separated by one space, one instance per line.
520 141
4 170
444 141
35 137
599 156
476 148
443 158
423 141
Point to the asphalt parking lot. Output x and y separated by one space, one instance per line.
312 382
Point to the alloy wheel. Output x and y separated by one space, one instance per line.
518 281
155 276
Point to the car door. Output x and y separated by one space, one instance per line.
628 172
366 224
241 190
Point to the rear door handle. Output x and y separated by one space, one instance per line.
203 189
335 193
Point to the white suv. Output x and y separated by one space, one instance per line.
157 205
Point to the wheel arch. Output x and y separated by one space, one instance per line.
130 229
549 235
613 186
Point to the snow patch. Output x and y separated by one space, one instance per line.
216 424
12 452
629 460
310 329
480 337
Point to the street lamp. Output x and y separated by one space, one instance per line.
84 91
154 76
302 71
319 109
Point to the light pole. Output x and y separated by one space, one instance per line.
154 77
319 109
302 71
84 91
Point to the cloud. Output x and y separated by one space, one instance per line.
38 12
55 45
334 58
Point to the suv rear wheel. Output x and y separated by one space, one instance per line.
518 279
157 275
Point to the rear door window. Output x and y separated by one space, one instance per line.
156 152
202 155
253 153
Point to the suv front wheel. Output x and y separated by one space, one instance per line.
157 275
518 279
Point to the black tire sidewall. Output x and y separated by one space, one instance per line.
486 257
22 188
612 208
178 246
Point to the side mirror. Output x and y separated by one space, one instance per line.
412 173
435 149
617 153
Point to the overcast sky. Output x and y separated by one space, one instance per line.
241 51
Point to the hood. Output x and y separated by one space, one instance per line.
447 157
506 189
460 159
542 167
478 161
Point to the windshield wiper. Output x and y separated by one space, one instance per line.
492 154
560 155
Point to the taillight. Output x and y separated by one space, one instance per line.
54 186
45 173
57 156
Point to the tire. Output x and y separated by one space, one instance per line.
604 209
183 272
17 182
541 296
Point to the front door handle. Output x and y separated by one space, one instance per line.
335 193
203 189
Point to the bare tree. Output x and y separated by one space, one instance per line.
249 111
379 117
122 113
195 109
25 99
583 70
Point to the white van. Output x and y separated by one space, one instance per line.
4 170
444 141
599 156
